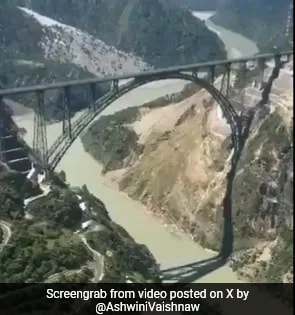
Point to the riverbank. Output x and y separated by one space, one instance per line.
236 45
82 169
169 249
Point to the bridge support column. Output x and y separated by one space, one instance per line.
261 68
195 74
2 132
66 123
116 86
228 72
222 84
40 148
92 88
212 74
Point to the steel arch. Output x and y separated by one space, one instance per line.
63 143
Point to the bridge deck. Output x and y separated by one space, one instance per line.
17 160
12 150
42 87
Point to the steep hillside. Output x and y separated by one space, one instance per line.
152 29
113 142
19 72
176 158
59 234
195 4
35 49
51 232
255 19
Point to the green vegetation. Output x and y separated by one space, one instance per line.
60 207
258 168
36 251
282 258
46 247
152 29
110 143
14 188
113 143
261 200
264 162
123 258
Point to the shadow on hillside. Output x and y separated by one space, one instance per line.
194 271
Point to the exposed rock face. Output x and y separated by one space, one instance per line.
99 38
181 175
36 49
151 29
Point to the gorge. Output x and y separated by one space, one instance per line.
170 249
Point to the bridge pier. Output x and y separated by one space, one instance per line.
66 123
40 135
261 69
186 72
228 73
212 74
115 86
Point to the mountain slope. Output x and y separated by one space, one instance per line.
175 160
264 21
35 49
51 232
160 34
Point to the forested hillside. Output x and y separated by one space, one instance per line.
47 232
152 29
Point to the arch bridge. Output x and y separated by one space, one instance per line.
203 74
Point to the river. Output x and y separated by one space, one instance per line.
235 44
169 250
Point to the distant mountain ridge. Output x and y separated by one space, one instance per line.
47 41
35 49
151 29
263 21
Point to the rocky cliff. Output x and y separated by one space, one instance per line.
180 174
